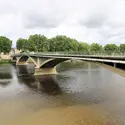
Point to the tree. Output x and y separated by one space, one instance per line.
122 48
31 46
110 48
95 48
83 48
39 42
5 44
62 43
75 45
51 45
22 44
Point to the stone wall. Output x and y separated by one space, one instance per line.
5 57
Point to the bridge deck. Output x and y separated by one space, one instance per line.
93 58
71 55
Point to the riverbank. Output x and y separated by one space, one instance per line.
7 61
113 69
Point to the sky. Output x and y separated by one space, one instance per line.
101 21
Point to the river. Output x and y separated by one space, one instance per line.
80 94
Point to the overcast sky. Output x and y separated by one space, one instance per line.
101 21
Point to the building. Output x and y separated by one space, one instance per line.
8 56
14 51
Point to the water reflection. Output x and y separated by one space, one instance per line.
25 70
49 85
22 70
5 75
75 64
4 83
46 84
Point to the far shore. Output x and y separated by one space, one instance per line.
4 61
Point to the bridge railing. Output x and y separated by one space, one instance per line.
75 54
80 54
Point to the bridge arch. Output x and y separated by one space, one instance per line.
25 58
50 63
14 58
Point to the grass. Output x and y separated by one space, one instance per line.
5 61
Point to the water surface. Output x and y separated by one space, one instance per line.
81 94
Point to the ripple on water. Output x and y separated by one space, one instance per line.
82 93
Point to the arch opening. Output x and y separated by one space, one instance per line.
14 58
52 62
25 58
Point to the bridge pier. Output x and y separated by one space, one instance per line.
13 61
45 71
37 63
21 63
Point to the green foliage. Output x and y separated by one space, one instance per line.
22 44
5 44
95 48
122 48
83 48
62 43
38 42
111 48
5 61
31 46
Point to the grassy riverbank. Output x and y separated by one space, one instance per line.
5 61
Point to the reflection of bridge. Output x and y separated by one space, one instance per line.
46 63
46 84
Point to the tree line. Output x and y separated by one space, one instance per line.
40 43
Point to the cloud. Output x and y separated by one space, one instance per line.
98 16
94 21
41 20
49 14
85 20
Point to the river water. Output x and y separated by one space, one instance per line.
80 94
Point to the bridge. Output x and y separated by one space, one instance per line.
46 63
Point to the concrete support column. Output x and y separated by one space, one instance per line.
38 63
13 61
45 71
21 63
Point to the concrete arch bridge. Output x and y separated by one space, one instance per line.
46 63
